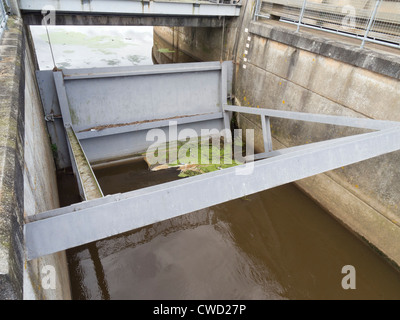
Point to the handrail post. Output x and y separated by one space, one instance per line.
301 15
257 10
266 129
4 18
371 20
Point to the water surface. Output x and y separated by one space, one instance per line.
276 244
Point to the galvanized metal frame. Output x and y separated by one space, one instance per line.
72 137
89 221
364 123
265 115
203 112
142 70
92 220
64 228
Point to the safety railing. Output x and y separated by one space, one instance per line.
3 16
376 21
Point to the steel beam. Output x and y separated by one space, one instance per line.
364 123
89 185
133 7
75 225
147 125
77 74
224 97
62 97
266 129
270 154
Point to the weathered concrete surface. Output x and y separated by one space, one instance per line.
202 43
314 72
11 162
27 172
40 189
164 52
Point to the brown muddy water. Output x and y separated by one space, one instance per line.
276 244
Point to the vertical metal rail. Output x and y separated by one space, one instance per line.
3 18
266 129
257 10
301 15
89 185
224 96
371 21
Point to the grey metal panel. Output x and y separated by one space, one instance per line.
129 7
320 118
55 126
121 100
120 213
107 148
116 96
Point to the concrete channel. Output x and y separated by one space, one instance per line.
267 96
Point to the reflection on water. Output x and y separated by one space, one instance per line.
277 244
165 52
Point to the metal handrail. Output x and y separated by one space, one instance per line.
377 26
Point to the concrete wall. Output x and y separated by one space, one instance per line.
28 180
313 72
11 162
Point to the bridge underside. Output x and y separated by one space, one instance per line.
151 13
103 20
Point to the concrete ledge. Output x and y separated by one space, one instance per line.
384 64
11 161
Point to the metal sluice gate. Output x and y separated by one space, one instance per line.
106 113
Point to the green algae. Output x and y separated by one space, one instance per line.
165 50
112 62
135 59
193 156
80 39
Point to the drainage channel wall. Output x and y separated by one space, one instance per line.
27 174
315 72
